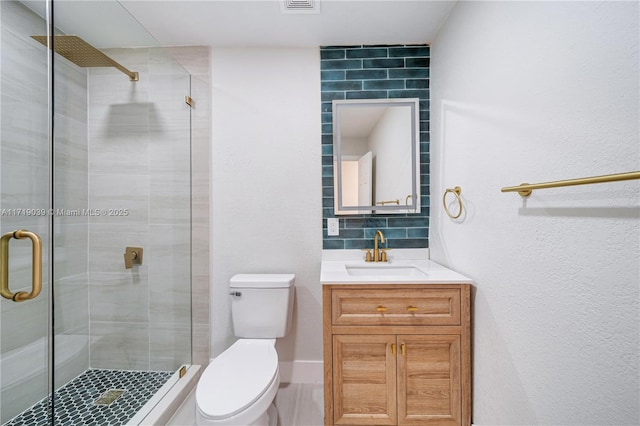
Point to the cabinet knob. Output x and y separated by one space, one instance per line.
393 349
381 308
412 308
403 349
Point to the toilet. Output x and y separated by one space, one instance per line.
239 386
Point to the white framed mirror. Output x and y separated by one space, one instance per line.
376 151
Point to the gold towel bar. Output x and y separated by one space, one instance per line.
525 189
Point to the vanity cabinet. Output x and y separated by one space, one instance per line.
397 354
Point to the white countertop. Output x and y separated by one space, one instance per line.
335 263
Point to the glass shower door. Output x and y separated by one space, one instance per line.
25 122
91 164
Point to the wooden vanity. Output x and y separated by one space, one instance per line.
397 353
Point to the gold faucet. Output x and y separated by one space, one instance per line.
379 255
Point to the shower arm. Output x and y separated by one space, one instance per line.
82 53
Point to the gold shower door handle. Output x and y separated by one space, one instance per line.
36 267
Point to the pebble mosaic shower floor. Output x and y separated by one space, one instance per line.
75 401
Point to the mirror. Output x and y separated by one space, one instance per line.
376 148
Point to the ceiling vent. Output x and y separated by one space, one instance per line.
300 6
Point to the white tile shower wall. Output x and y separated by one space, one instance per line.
532 92
139 160
196 60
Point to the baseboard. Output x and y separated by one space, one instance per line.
301 372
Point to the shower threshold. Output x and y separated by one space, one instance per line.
81 402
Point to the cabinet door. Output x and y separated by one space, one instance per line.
429 389
364 379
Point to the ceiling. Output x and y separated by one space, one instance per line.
245 23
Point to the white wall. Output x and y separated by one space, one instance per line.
266 184
533 92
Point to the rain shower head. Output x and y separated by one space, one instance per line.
83 54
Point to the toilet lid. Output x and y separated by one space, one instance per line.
237 378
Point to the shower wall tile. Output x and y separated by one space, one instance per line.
119 199
196 60
24 137
119 345
169 89
71 192
107 244
133 59
24 186
123 150
168 61
30 389
200 151
32 319
119 297
71 145
72 309
166 341
71 254
70 90
169 198
69 366
24 60
200 201
137 132
200 295
167 252
71 229
169 150
169 301
108 86
201 344
18 19
200 250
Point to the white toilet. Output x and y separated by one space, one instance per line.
238 387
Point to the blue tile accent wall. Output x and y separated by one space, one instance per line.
375 72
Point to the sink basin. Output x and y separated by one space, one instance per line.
384 271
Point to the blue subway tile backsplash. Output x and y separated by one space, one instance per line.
375 72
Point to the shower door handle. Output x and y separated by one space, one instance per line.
36 267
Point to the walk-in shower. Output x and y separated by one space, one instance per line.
92 165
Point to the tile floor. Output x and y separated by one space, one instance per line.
298 405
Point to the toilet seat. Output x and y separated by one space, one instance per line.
237 378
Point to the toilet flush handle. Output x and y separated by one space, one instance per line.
235 293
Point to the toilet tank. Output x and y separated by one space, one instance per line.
261 305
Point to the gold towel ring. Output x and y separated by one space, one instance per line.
456 191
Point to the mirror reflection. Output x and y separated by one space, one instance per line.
376 150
